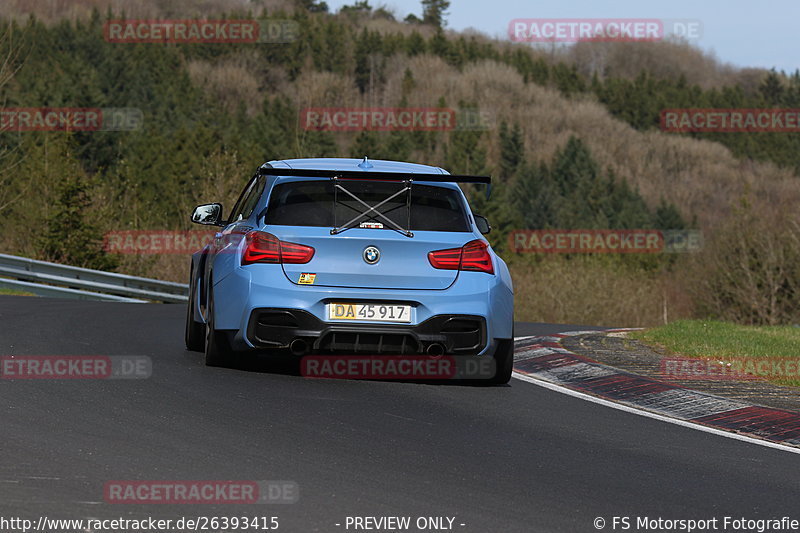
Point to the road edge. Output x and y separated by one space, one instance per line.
544 361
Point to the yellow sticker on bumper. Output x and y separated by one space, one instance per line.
307 278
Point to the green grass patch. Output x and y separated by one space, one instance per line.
705 339
14 292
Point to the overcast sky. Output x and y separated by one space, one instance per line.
745 33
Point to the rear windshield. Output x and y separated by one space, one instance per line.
311 203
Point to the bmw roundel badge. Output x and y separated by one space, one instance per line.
371 255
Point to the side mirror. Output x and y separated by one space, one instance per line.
208 215
483 224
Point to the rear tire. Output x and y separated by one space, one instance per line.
195 335
504 362
218 350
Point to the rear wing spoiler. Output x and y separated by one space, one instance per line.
369 175
371 211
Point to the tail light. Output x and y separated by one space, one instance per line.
473 256
262 247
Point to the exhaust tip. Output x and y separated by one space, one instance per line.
435 349
298 347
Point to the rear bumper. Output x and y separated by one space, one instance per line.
245 297
278 328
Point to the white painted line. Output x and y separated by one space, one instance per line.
662 418
547 338
587 332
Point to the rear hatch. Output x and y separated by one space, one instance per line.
403 264
303 212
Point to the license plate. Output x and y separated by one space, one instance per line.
369 312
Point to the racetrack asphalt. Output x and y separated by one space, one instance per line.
498 459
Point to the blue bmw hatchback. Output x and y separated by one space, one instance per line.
329 256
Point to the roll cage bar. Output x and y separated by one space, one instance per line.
407 179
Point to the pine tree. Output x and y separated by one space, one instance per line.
771 89
408 84
361 7
415 44
512 150
370 62
532 197
667 216
367 144
313 6
464 153
362 53
71 236
434 12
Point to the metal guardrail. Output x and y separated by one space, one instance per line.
51 279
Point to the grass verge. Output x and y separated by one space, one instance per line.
14 292
721 341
